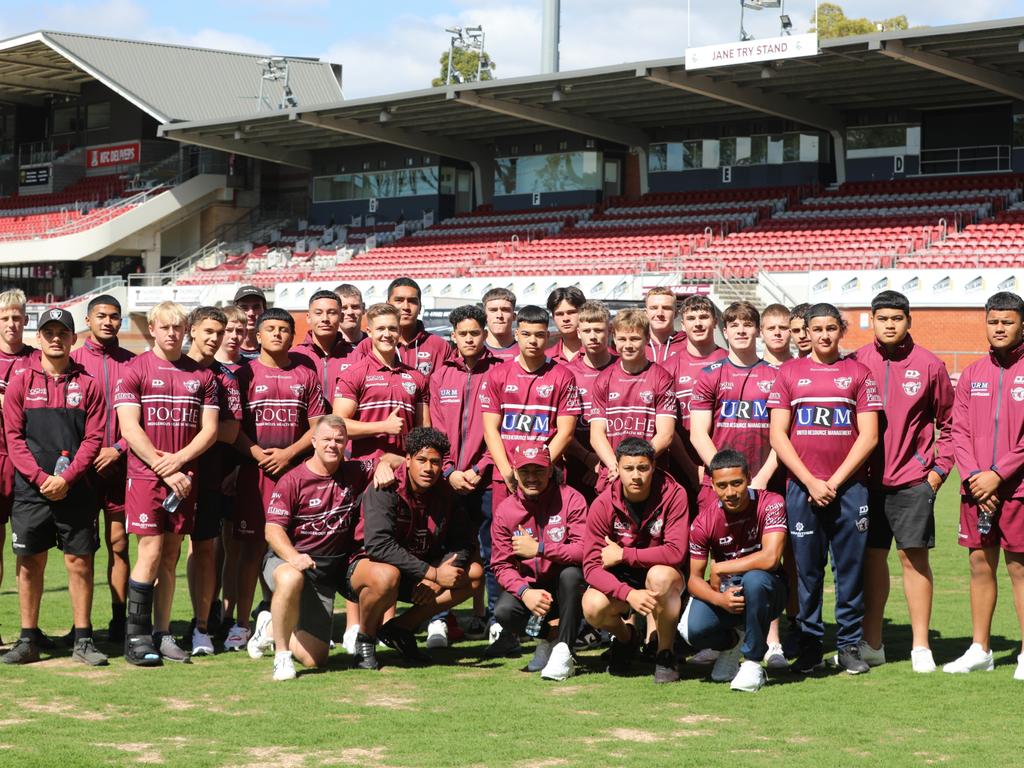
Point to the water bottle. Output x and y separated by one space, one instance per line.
172 501
984 523
533 626
63 462
730 581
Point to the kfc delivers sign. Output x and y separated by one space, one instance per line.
113 154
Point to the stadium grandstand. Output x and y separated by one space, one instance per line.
891 159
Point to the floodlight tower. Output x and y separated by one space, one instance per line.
754 5
275 69
465 39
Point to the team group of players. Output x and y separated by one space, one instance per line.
631 480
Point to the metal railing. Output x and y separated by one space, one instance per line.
980 159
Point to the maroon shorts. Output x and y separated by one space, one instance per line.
1007 526
6 488
144 512
254 489
112 489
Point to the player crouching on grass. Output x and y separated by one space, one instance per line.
310 528
417 544
537 537
635 547
988 442
53 420
744 532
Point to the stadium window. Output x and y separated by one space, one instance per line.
514 149
657 158
65 120
538 148
97 116
758 150
383 184
366 165
810 148
410 162
883 140
382 164
426 160
775 153
447 185
710 153
557 172
563 145
590 144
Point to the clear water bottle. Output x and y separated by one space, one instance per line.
63 462
533 626
172 501
984 523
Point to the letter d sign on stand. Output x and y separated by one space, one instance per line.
898 165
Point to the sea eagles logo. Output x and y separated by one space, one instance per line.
1017 393
298 389
862 524
74 398
409 387
765 386
424 368
655 528
556 534
843 382
55 314
911 387
912 374
192 385
531 453
647 396
545 390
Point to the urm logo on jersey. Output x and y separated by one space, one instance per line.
744 410
821 416
526 423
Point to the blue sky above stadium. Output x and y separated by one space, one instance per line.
394 45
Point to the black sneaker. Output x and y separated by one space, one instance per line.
115 631
588 638
649 650
476 628
808 660
23 651
403 641
85 652
260 608
366 652
506 644
665 668
620 655
140 651
45 642
791 640
69 638
850 660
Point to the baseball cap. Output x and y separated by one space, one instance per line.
57 315
532 454
247 291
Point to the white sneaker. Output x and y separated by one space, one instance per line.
774 658
437 634
750 677
1018 673
560 665
921 660
237 638
284 667
540 656
727 666
974 660
707 656
262 639
202 645
493 632
348 640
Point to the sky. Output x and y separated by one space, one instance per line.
394 45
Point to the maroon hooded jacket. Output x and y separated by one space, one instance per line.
556 519
44 415
426 352
455 410
320 361
988 421
662 536
917 396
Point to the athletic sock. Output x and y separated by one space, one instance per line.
280 655
140 609
81 633
118 612
32 634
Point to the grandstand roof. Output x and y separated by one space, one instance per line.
925 67
169 82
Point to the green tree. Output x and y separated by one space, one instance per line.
465 63
833 22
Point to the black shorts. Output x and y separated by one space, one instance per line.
316 605
40 526
209 516
906 514
406 584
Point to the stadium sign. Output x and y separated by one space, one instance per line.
769 49
110 155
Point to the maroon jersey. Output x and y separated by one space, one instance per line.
377 390
824 401
558 355
529 403
106 364
585 377
630 403
504 354
425 353
171 396
685 368
211 465
326 364
719 536
738 400
662 353
6 361
320 513
278 403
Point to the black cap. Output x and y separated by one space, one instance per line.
57 315
250 290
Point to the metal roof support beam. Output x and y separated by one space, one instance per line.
989 79
41 84
240 147
587 126
797 110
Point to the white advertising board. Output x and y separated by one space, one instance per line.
768 49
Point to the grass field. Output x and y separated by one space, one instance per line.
226 711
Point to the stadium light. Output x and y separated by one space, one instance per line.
466 39
760 5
